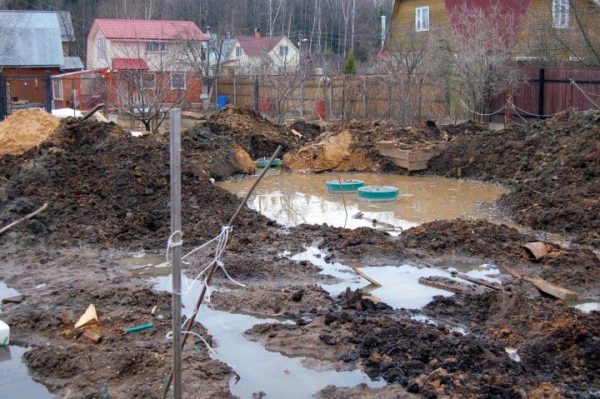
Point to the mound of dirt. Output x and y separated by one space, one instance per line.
334 152
308 130
216 155
553 165
104 186
353 146
25 129
252 132
576 269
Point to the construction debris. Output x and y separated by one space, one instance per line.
89 318
537 250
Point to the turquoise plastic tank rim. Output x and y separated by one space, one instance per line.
378 193
263 162
344 185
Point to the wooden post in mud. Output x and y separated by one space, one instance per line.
176 244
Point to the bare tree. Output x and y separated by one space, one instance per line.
482 41
147 94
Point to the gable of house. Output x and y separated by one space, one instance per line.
30 39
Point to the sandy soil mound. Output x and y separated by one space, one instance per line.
332 153
104 186
553 165
25 129
255 134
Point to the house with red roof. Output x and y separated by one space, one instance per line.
251 55
161 55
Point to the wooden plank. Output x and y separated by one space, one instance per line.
478 281
441 285
544 286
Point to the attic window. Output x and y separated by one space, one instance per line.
238 51
560 14
283 51
156 47
422 19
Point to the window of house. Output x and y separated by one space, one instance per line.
57 89
101 48
149 81
156 47
422 19
178 81
238 51
560 14
283 51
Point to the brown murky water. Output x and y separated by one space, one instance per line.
293 199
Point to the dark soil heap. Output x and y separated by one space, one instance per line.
251 131
553 165
105 187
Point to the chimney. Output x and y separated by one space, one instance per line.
257 33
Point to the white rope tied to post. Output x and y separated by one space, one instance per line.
465 106
585 94
531 113
169 336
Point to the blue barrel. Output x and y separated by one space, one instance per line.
344 185
378 193
222 102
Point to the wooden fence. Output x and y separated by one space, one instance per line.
337 97
547 91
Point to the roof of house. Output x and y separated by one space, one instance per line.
135 29
71 63
129 64
30 39
67 32
255 47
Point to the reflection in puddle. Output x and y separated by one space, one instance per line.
400 284
293 199
15 381
260 370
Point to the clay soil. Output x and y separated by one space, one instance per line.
553 167
108 198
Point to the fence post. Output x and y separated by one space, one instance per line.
541 98
234 91
256 93
48 92
2 97
175 240
365 97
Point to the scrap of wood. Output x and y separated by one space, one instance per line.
92 112
27 217
544 286
88 318
537 249
363 275
478 281
441 285
296 133
193 115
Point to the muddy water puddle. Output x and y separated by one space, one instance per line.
15 381
400 286
276 375
293 199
